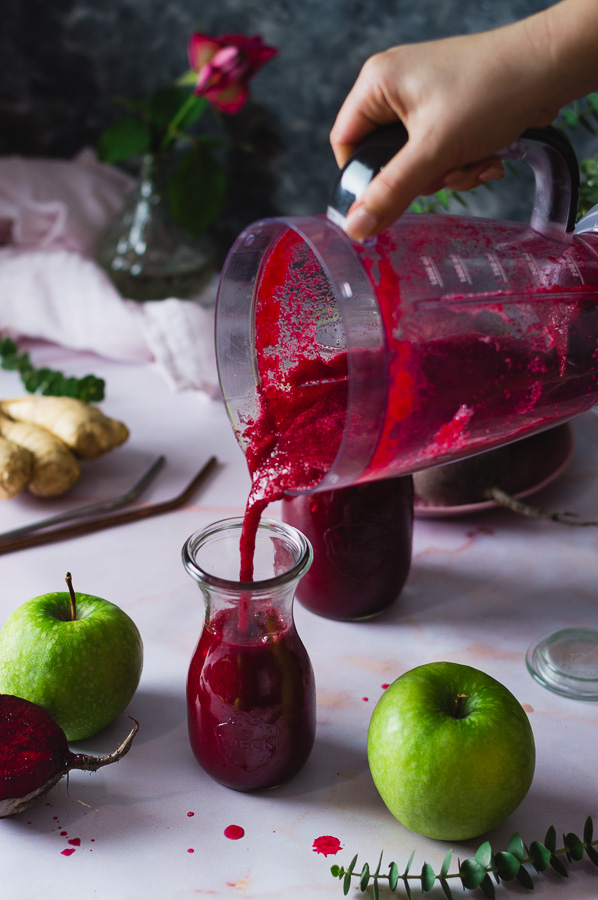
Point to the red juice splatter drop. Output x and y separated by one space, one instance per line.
234 832
365 699
190 850
384 686
76 842
327 844
63 833
190 814
68 852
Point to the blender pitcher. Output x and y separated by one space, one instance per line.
443 337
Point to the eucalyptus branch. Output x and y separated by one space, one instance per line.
478 871
48 381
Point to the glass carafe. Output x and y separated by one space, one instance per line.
250 688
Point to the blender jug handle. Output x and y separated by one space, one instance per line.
546 150
556 171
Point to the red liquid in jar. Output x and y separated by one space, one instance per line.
251 701
362 542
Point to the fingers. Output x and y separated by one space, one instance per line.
470 177
364 109
406 177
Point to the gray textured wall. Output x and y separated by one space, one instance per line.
63 61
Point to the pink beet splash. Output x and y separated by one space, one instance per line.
327 845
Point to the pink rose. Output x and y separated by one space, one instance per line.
225 66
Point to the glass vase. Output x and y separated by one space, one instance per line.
147 255
251 701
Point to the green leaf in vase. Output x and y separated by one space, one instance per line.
197 190
123 139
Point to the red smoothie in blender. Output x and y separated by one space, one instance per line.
458 370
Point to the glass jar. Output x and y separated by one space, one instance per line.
250 690
362 539
147 255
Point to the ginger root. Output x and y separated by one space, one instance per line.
81 426
16 466
55 469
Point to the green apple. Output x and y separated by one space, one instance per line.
76 655
451 751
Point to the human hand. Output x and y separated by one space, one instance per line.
461 99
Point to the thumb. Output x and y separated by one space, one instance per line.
408 174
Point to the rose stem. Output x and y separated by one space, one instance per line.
69 582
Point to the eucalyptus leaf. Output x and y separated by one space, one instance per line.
483 854
516 846
472 873
393 876
364 879
375 889
427 877
574 846
550 839
352 865
507 865
122 139
197 190
446 864
539 855
588 828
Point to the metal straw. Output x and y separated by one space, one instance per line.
82 511
121 518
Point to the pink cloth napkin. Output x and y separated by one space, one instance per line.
52 213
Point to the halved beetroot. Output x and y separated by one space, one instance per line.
34 754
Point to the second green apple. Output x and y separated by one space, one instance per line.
451 751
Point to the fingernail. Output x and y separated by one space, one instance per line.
491 173
362 223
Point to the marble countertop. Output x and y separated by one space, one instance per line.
481 588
